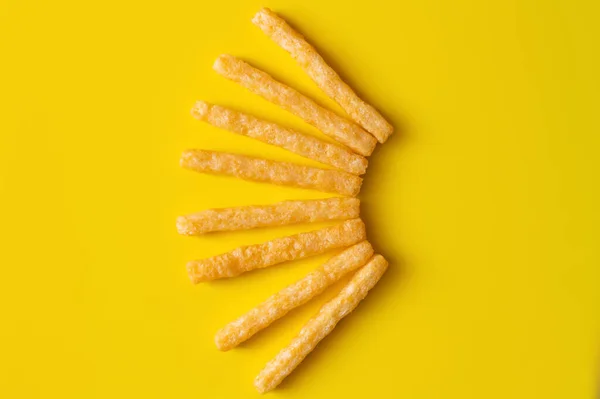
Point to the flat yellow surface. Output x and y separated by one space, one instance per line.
485 201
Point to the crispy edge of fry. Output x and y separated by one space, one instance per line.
274 134
280 213
268 171
322 74
321 325
294 295
259 82
279 250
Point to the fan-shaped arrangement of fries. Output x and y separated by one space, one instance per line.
356 138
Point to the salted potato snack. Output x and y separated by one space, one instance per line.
279 250
322 74
321 325
281 213
275 172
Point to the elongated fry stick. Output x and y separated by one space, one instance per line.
261 83
271 133
264 170
244 259
281 213
320 325
293 296
322 74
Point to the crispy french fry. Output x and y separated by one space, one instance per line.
321 325
281 213
274 134
244 259
293 296
264 170
322 74
261 83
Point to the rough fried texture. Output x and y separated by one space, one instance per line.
293 296
320 325
322 74
281 213
261 83
276 251
264 170
271 133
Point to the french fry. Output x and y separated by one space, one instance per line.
261 83
321 325
293 296
322 74
279 250
281 213
271 133
267 171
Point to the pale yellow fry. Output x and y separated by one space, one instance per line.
261 83
271 133
320 325
244 259
322 74
293 296
275 172
281 213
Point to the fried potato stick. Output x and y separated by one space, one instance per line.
275 172
281 213
321 325
322 74
261 83
274 134
279 250
293 296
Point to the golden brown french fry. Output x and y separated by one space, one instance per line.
293 296
267 171
321 325
322 74
271 133
261 83
279 250
281 213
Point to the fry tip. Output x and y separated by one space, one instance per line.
183 225
199 110
191 274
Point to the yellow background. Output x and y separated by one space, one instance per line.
485 200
